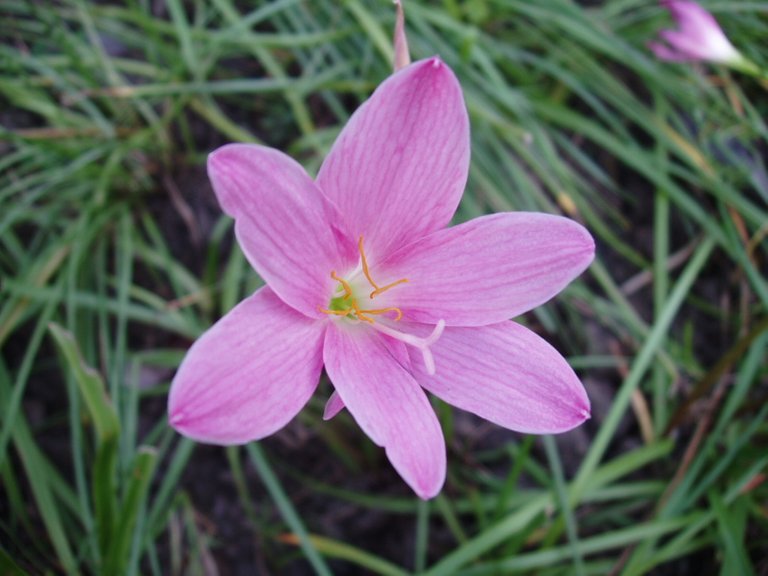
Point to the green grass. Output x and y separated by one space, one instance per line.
113 258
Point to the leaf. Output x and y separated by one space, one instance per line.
90 383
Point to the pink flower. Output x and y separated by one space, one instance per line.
364 278
699 36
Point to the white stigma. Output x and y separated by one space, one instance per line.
422 344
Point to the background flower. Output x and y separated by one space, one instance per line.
698 36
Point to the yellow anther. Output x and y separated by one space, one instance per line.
350 307
377 289
387 287
385 310
365 262
335 312
360 314
344 284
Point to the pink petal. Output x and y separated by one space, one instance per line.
692 18
399 167
487 270
334 405
663 52
699 37
684 45
396 349
387 404
506 374
249 374
289 231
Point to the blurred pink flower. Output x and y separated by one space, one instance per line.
364 278
698 37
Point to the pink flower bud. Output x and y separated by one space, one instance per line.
698 36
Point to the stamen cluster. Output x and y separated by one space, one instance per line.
346 305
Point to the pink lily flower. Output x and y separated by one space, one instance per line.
365 279
698 37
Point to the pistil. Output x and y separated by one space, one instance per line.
422 344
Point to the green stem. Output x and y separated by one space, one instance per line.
747 66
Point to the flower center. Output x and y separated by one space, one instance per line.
346 303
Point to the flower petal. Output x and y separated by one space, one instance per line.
399 167
290 233
699 37
333 406
684 45
486 270
387 404
664 52
693 20
506 374
249 374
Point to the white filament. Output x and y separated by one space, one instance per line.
422 344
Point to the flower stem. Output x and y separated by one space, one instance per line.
747 66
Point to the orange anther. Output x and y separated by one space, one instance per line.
335 312
387 287
361 313
344 284
385 310
351 307
377 289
